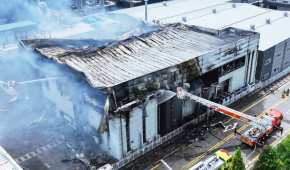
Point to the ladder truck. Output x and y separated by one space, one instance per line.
260 127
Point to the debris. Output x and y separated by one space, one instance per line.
231 127
165 164
9 89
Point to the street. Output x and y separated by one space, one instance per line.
186 156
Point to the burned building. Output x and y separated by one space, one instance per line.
277 4
133 104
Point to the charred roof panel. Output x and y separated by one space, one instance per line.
129 59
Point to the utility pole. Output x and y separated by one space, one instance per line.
146 10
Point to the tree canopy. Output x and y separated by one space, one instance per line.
237 162
283 151
268 160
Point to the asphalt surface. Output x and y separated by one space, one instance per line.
186 156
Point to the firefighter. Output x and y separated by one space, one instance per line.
281 130
283 95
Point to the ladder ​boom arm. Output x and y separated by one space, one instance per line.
181 93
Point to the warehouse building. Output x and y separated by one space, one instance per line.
134 105
277 4
272 25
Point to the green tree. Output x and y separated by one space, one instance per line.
237 162
225 166
268 160
283 151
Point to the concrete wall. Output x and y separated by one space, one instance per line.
251 66
266 60
136 128
237 79
286 60
136 131
187 108
222 56
273 61
151 120
277 59
113 142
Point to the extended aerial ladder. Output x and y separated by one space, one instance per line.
260 127
181 93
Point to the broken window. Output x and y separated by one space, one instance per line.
231 66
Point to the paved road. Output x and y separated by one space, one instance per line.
189 155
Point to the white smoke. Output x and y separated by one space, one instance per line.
25 112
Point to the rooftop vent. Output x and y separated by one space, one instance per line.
184 19
268 21
286 14
214 11
253 27
234 5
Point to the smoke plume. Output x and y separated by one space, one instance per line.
29 117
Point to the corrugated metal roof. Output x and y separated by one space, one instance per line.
137 56
6 161
222 15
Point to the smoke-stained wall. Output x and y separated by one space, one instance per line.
40 102
84 109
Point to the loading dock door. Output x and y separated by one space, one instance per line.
169 116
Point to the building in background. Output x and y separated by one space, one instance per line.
277 4
92 5
271 24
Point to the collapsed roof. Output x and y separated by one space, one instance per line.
135 57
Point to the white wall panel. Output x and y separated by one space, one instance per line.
151 120
237 79
112 143
136 128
